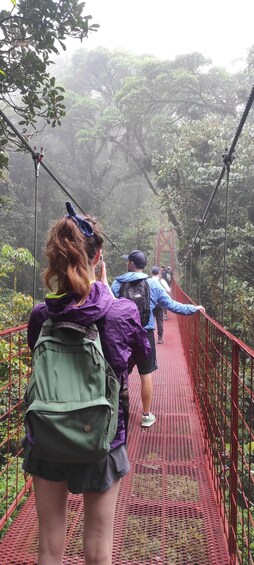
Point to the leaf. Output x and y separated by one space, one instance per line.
14 2
2 72
62 44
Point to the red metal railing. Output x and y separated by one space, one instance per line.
221 369
14 373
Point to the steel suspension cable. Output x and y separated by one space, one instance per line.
229 153
200 269
191 266
227 160
26 144
35 237
37 161
36 170
185 276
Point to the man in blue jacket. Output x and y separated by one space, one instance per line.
136 263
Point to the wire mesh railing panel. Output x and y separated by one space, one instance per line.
221 368
14 374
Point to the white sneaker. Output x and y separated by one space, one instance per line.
148 420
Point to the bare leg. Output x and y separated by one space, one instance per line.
146 392
99 512
51 504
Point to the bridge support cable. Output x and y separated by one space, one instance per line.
37 161
185 276
191 268
35 227
224 168
70 196
200 270
227 161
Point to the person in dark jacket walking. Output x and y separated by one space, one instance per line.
136 262
73 251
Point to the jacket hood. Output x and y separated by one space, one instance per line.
131 276
95 306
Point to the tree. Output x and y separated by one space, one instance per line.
13 261
15 306
187 174
141 101
123 112
30 33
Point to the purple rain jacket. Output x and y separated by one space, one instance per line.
123 339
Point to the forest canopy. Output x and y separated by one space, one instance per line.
141 147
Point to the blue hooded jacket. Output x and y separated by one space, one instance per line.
157 296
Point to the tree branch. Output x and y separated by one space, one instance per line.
141 168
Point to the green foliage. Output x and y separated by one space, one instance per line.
14 487
11 258
15 309
187 174
15 306
13 261
30 33
14 371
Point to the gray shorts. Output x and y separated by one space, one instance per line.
80 478
150 364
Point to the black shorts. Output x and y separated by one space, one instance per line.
150 364
80 478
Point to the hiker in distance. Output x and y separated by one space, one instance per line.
73 250
158 311
166 276
137 286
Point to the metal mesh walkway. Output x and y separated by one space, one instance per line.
166 513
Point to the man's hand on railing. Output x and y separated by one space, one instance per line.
201 309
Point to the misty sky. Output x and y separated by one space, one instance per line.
220 30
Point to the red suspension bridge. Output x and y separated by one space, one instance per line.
188 499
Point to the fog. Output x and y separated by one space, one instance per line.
222 31
219 30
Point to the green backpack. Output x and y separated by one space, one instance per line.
73 395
